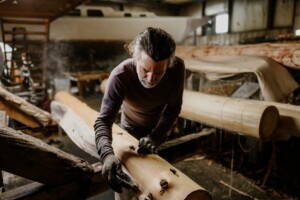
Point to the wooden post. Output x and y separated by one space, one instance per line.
149 171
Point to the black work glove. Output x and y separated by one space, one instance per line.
146 146
112 170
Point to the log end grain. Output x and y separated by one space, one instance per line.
269 121
296 57
199 195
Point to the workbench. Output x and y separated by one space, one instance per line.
83 78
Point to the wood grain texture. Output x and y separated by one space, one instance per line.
31 158
248 117
286 54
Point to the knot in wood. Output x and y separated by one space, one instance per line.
164 184
132 147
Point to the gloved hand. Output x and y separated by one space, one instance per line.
146 146
112 170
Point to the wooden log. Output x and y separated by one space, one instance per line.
286 54
18 115
24 112
70 190
182 147
275 81
31 158
154 169
248 117
289 123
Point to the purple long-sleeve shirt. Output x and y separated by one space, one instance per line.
144 108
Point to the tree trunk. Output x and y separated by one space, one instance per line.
286 54
31 158
149 171
248 117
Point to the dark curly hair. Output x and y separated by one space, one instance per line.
156 43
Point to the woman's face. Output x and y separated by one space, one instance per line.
150 72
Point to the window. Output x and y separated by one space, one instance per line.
94 13
75 12
222 23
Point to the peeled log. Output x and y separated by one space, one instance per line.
289 123
147 170
286 54
248 117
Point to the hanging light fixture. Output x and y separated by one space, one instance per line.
1 1
15 2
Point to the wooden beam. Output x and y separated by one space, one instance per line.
18 115
23 111
43 163
71 190
248 117
286 54
182 147
18 21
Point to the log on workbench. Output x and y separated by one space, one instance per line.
286 54
22 111
31 158
154 168
248 117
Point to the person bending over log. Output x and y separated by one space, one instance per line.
149 87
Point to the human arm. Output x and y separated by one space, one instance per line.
110 106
